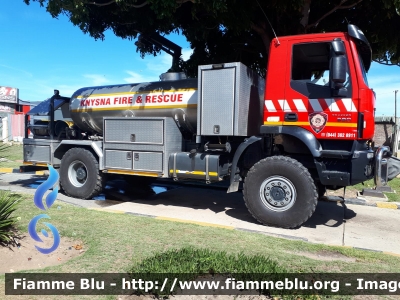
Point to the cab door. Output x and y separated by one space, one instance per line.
274 97
310 99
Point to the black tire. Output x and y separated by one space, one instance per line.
294 197
80 176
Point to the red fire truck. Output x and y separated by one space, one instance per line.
308 126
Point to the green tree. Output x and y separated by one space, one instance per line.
234 30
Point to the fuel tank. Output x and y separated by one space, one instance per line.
172 98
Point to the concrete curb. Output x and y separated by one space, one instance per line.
284 236
11 170
379 204
358 201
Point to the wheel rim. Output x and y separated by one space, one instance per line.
77 173
278 193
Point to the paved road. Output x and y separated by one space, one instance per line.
332 223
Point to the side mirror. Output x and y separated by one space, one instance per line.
338 75
338 71
338 47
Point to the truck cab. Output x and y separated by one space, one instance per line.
318 99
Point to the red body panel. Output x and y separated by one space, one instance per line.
328 117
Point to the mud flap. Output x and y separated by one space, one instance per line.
393 167
235 177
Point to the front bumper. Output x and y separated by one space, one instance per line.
360 165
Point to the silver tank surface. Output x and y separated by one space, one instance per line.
176 99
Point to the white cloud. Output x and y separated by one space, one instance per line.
18 70
186 53
152 70
138 78
159 64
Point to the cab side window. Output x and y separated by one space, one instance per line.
310 70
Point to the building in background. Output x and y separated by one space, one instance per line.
8 100
12 114
385 133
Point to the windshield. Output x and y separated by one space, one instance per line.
364 73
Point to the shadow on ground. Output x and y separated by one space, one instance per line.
198 197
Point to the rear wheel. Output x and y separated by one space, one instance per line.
80 176
279 191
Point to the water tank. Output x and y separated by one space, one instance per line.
167 98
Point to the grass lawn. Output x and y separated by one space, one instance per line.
118 242
13 155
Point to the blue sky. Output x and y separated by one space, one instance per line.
39 54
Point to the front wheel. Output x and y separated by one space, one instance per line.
279 191
80 176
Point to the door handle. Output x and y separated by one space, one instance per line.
291 117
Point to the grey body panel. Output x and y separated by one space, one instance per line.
149 151
118 159
37 153
209 167
140 131
134 160
40 147
39 150
148 161
217 101
134 147
231 99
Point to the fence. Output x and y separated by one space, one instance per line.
12 128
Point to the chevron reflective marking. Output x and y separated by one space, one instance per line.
315 105
348 103
299 105
284 105
270 106
332 105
